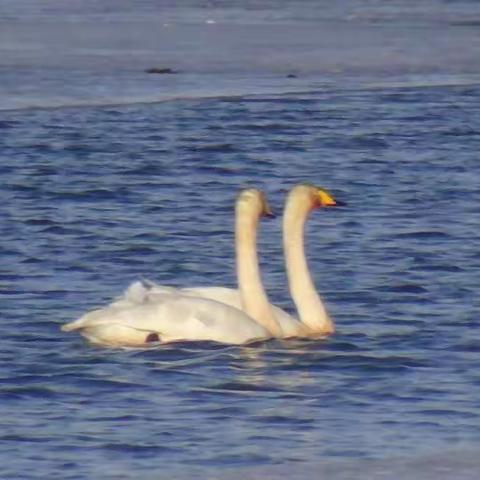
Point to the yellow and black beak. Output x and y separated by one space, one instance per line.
325 199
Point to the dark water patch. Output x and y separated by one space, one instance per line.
103 385
14 186
165 371
32 260
238 460
78 148
21 438
214 148
416 118
8 253
365 363
342 346
303 423
269 127
45 170
288 146
43 148
154 137
181 351
56 294
424 235
150 169
238 388
87 195
465 131
355 142
145 236
57 230
368 141
8 124
367 297
446 414
228 411
141 250
405 288
28 392
219 170
428 266
25 379
465 23
144 450
465 346
470 321
402 96
35 334
44 222
373 161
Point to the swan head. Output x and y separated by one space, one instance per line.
253 201
313 197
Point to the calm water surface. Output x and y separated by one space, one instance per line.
94 197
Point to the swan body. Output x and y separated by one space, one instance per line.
147 292
289 326
170 318
167 314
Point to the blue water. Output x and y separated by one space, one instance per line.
110 175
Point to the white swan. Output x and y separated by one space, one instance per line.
301 200
314 320
164 315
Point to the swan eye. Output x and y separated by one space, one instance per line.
152 337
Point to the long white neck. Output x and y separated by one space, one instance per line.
310 308
254 299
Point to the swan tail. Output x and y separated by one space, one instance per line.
90 319
76 325
113 334
68 327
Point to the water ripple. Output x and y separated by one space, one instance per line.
95 198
